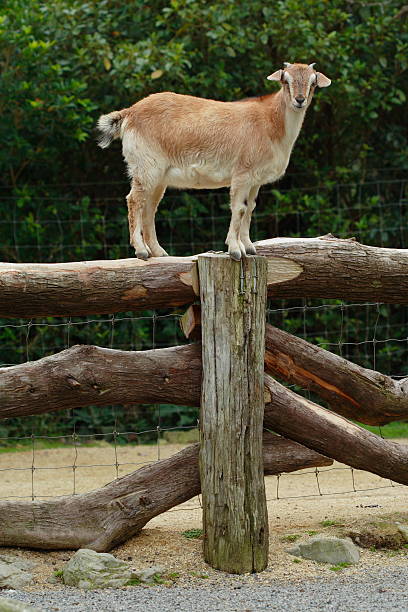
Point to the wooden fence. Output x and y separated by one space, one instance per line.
229 371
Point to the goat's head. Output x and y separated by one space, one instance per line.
299 82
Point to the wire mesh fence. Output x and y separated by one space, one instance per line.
72 451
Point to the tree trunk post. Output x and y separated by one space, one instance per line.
235 520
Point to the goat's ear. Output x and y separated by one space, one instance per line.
322 80
276 76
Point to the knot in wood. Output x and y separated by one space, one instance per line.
73 381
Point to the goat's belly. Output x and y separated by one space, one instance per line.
273 171
197 178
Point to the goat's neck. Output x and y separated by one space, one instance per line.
290 119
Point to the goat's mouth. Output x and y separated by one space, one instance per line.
298 106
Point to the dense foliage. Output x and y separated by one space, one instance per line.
64 63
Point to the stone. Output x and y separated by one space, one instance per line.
12 577
19 562
14 605
88 569
148 574
327 549
381 534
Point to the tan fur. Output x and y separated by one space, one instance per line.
187 142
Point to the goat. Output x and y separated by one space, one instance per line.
182 141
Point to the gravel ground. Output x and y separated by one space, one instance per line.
334 502
383 590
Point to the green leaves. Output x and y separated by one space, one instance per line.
65 63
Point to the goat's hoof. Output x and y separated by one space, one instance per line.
159 253
250 249
142 255
235 255
242 249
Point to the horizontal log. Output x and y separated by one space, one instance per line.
96 287
108 516
350 390
323 267
339 269
89 375
305 422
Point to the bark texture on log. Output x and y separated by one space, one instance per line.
109 516
235 520
352 391
303 421
323 267
84 375
88 375
96 287
341 269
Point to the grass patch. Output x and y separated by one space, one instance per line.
291 537
329 523
392 430
339 566
312 533
297 560
158 579
58 573
192 534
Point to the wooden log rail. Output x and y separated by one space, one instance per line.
89 375
324 267
355 392
47 385
301 420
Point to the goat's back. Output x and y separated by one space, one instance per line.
177 122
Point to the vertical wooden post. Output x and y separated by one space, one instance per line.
233 301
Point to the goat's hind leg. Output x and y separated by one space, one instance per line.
136 201
149 228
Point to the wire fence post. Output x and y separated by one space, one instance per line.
233 299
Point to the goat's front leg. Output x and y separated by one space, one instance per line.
136 201
239 199
246 221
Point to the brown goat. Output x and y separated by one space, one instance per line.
187 142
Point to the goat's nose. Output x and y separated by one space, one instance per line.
300 99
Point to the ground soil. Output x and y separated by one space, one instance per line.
327 500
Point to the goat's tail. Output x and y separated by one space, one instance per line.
109 127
